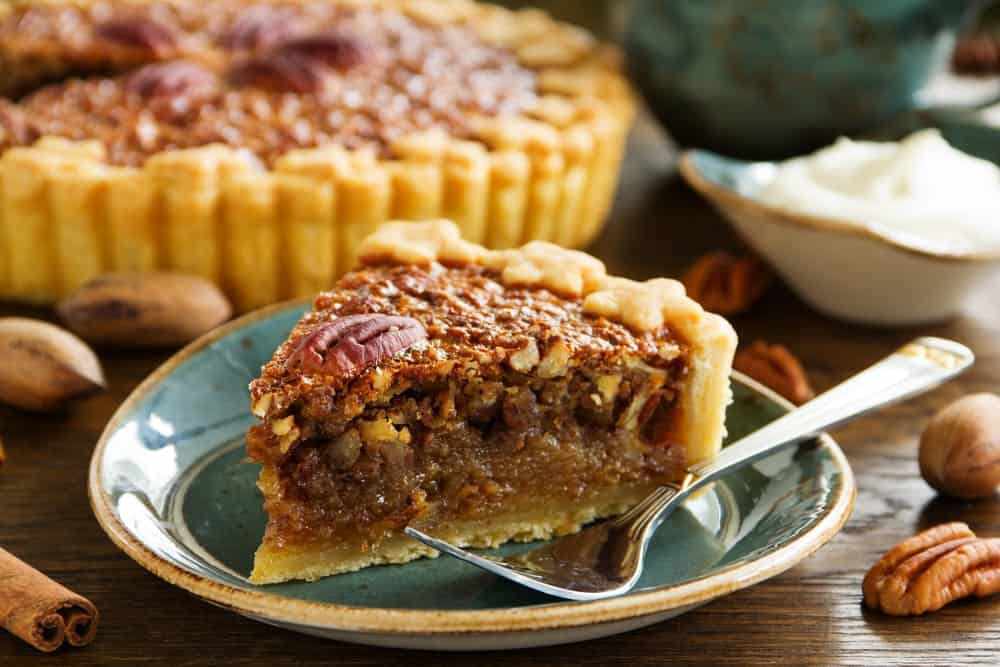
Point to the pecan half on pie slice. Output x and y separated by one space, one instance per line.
256 142
491 395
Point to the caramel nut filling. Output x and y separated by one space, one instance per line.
267 76
480 395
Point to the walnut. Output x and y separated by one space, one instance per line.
727 284
608 386
377 430
555 363
283 426
960 448
775 367
526 358
287 431
931 569
262 405
355 341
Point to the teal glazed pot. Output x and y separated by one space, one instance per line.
774 78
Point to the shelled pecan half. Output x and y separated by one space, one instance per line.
775 367
931 569
139 32
355 341
280 72
333 49
174 79
727 284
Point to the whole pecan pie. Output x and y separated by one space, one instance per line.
489 395
256 142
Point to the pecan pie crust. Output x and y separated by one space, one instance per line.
488 395
256 142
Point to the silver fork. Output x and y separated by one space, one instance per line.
606 559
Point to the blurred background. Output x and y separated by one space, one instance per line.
771 78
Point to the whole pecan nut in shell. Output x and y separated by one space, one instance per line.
355 341
931 569
727 284
775 367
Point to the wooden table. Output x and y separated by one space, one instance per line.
811 614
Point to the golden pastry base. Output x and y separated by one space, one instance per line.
276 564
269 234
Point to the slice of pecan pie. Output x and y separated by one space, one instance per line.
489 395
256 142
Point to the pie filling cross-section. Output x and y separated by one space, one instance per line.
488 395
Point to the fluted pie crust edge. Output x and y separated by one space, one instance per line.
66 215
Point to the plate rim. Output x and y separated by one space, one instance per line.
395 621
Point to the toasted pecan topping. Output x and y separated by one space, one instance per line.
360 76
280 72
141 32
355 341
334 49
261 27
174 79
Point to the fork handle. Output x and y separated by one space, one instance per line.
914 368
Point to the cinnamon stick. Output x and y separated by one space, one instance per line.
40 611
3 453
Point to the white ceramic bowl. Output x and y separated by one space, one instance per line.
841 270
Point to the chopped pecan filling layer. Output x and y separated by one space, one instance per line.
266 76
469 447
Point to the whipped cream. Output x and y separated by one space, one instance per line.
920 191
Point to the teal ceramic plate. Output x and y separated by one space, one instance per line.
170 485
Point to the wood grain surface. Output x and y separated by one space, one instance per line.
811 614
